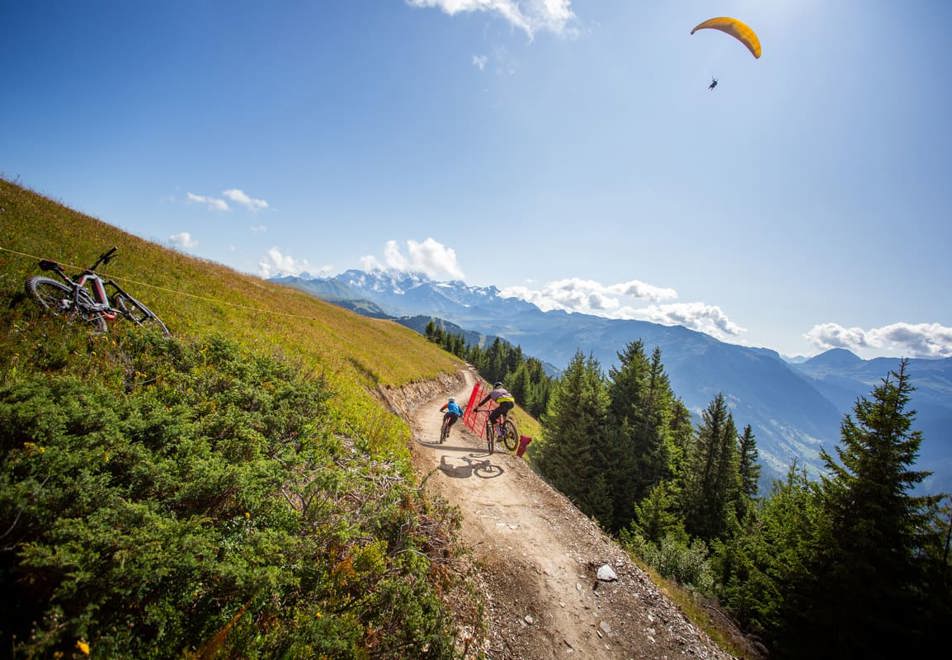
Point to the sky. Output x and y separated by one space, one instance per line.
567 151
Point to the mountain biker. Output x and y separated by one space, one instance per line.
453 412
503 399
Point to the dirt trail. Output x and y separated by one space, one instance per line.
539 556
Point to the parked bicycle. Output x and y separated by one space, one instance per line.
85 297
504 430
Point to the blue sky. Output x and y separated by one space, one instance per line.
566 151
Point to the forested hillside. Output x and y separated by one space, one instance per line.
237 489
854 565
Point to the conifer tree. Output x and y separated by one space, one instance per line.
862 591
573 456
710 476
755 567
749 467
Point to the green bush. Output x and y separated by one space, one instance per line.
675 558
159 498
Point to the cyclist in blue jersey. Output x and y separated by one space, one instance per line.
453 412
504 401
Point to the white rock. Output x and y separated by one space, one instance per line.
605 627
529 619
607 574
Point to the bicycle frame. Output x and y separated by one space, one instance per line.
90 282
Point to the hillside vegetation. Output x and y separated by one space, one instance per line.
237 487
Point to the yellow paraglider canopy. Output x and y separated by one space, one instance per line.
736 29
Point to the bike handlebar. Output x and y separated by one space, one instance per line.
104 258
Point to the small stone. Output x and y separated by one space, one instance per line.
529 619
561 604
578 587
606 573
607 629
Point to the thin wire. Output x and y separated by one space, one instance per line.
175 291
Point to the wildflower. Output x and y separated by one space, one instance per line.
83 647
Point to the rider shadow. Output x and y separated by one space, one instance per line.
484 469
436 444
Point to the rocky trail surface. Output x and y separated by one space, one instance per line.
539 556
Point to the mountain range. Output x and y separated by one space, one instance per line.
794 407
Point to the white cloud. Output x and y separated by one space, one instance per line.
913 339
274 263
213 203
240 197
591 297
709 319
183 240
625 300
479 61
530 16
430 257
370 262
258 229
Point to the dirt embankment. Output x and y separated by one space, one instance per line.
538 555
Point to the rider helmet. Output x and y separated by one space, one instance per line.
452 400
498 383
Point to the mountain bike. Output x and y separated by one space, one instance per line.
84 297
445 428
503 430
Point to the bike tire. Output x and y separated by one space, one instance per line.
138 313
511 437
59 300
444 431
490 436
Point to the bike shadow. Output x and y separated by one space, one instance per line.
473 465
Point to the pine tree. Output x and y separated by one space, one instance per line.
749 467
573 455
749 472
862 591
711 480
755 567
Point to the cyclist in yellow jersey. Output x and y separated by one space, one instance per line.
503 399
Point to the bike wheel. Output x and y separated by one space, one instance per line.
444 431
138 313
511 437
59 300
490 436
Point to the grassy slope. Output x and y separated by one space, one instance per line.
197 298
230 431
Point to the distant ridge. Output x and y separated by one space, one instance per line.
794 409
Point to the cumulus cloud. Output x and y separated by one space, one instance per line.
183 240
709 319
258 229
590 297
275 263
242 198
479 61
914 339
530 16
627 300
213 203
234 194
430 257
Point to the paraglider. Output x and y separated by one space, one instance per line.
736 29
713 84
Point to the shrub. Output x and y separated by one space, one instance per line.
159 498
